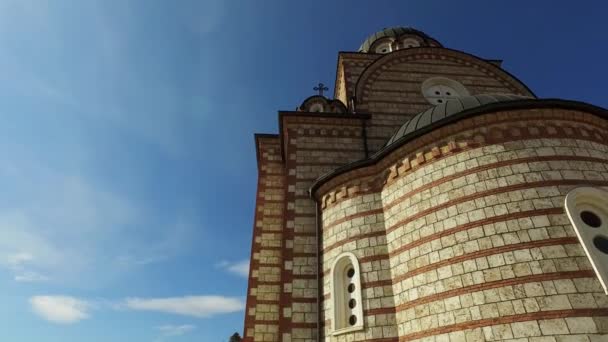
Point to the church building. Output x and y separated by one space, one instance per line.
432 198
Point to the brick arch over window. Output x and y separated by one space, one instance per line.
373 72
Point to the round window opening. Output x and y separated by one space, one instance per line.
352 303
351 272
601 242
438 90
591 219
352 320
351 288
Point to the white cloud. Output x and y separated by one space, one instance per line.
60 309
30 277
196 306
240 268
175 330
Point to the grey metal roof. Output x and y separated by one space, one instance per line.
389 32
449 108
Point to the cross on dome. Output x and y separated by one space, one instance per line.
320 88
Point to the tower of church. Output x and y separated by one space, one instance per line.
432 198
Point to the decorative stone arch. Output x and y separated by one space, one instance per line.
321 104
374 70
346 296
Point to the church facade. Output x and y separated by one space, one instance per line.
435 198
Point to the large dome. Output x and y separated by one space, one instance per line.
392 32
449 108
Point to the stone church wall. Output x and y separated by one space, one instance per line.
462 235
312 145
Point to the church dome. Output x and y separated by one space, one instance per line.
447 109
394 33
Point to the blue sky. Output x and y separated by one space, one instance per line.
128 168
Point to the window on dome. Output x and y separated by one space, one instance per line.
438 90
316 108
346 294
587 209
410 43
383 48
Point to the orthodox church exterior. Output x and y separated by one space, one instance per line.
433 198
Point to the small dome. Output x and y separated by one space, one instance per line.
321 104
393 32
449 108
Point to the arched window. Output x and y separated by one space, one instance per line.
346 294
316 108
384 47
587 209
410 43
438 90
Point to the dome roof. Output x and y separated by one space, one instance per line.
393 32
449 108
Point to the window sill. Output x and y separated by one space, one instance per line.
347 330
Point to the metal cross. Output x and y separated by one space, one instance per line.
320 88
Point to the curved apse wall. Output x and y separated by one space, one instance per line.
461 233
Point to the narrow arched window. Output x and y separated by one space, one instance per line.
346 294
587 209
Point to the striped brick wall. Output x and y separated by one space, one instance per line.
263 294
462 236
313 145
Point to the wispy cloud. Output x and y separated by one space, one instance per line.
195 306
67 227
18 264
175 330
30 277
63 309
240 268
60 309
54 234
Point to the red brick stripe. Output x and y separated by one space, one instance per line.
387 282
495 191
470 225
354 238
506 320
489 167
486 252
496 284
353 216
379 311
474 224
